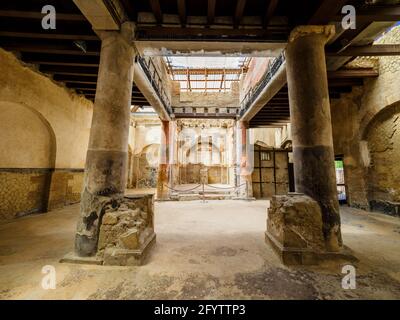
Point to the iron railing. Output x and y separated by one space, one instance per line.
154 78
254 92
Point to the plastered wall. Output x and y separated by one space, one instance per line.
44 136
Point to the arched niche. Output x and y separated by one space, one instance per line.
27 160
382 138
26 136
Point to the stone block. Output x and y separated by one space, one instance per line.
294 230
296 222
114 256
110 218
126 231
130 239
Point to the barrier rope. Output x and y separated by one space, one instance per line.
223 188
199 185
182 190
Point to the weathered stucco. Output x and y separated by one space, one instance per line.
44 137
68 114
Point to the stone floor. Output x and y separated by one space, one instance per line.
204 250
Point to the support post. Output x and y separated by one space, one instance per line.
106 160
304 227
163 169
245 164
311 125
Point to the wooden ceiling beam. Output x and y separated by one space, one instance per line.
50 59
211 12
130 9
51 49
182 12
39 15
269 12
366 51
68 73
198 71
347 38
68 82
160 31
91 71
156 8
240 5
61 63
48 35
327 11
376 14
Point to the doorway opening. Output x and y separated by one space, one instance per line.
340 180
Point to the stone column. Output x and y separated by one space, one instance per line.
311 125
163 168
106 160
245 165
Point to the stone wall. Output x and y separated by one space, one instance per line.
365 128
346 139
383 172
44 135
23 191
66 187
217 174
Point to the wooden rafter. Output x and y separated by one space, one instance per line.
39 15
373 50
240 5
156 8
327 11
44 35
52 49
198 71
211 12
269 12
182 12
376 14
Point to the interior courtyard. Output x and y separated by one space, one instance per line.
181 149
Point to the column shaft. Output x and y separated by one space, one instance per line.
163 169
106 160
311 127
246 167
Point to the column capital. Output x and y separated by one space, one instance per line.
328 31
126 32
243 124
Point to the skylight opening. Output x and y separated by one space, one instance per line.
206 74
